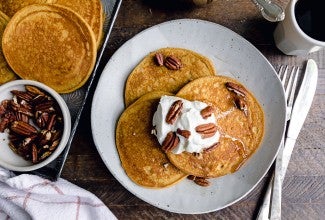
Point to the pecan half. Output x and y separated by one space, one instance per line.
174 111
45 155
159 58
171 141
42 119
34 90
207 112
241 105
51 122
46 106
206 130
236 88
191 177
173 63
201 181
22 95
185 133
23 128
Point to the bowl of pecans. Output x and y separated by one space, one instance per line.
35 125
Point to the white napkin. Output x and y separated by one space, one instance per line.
32 197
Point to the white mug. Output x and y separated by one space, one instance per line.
290 38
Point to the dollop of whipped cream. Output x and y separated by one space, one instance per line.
189 118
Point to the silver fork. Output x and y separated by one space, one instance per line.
289 86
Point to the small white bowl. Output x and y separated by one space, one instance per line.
9 159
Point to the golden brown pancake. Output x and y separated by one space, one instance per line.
240 134
90 10
139 150
148 76
6 74
51 44
10 7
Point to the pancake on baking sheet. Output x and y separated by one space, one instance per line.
142 159
149 76
6 74
241 130
90 10
51 44
10 7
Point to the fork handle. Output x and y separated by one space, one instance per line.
275 213
263 213
281 166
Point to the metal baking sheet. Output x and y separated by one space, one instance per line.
77 99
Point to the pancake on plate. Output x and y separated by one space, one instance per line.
142 159
10 7
6 74
90 10
176 67
239 119
51 44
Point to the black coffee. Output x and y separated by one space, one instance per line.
310 16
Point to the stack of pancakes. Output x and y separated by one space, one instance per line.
6 74
51 41
140 152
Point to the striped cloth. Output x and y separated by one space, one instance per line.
32 197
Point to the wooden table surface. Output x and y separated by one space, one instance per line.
304 185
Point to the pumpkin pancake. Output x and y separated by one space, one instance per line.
241 130
142 159
51 44
90 10
10 7
148 76
6 74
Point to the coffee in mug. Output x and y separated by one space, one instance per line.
301 32
310 16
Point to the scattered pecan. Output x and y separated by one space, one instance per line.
236 88
201 181
173 63
207 112
171 141
185 133
174 111
206 130
191 177
159 58
241 105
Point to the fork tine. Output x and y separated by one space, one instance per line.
283 74
290 84
293 91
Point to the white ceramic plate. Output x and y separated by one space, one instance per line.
232 56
